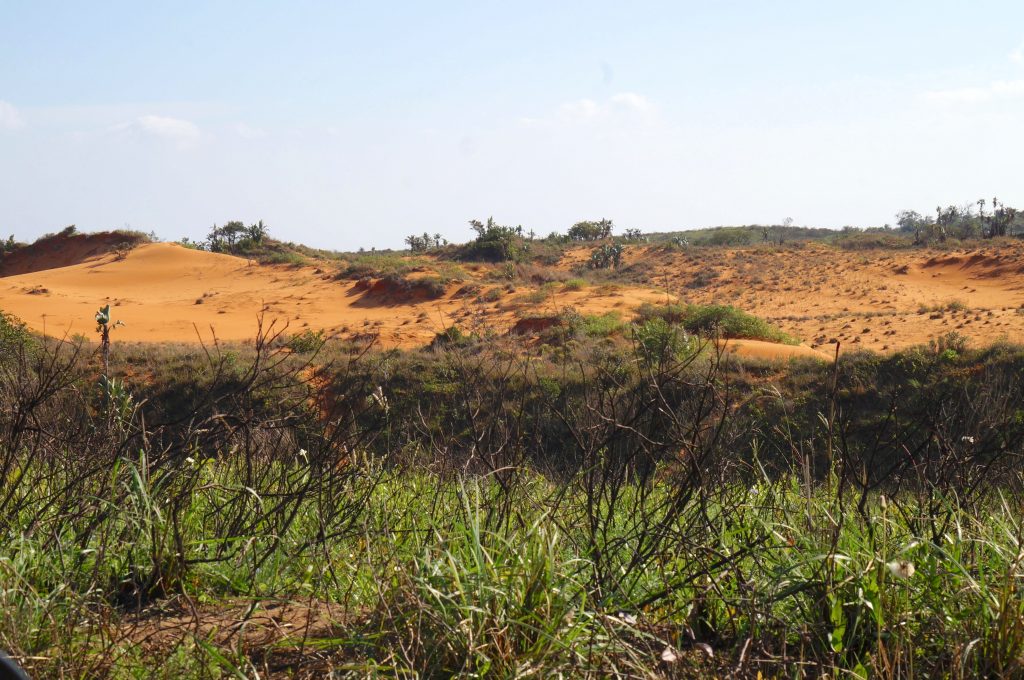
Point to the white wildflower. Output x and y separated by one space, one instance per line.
668 655
378 396
901 568
967 438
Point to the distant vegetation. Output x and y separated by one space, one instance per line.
591 231
494 242
607 256
425 242
252 241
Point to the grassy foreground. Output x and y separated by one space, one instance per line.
455 578
637 519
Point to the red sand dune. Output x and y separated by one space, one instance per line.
881 300
165 292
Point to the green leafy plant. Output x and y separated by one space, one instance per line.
103 327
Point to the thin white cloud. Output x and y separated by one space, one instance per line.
621 106
169 128
581 109
180 132
996 90
10 119
631 101
246 131
1017 55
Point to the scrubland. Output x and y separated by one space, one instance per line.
656 507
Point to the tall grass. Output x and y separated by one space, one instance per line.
278 523
426 587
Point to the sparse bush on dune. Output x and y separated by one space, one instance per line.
703 277
283 257
253 242
306 342
591 230
14 336
715 320
872 241
608 256
494 242
453 337
375 265
9 246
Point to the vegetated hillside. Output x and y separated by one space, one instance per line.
857 293
67 248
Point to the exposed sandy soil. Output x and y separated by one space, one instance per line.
880 300
165 292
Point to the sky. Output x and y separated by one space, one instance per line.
353 124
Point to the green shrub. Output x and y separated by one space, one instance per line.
600 325
375 265
453 336
723 320
703 278
948 346
491 295
950 306
591 230
13 334
494 242
306 342
284 257
659 342
607 256
673 313
732 323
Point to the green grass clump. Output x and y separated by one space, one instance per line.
289 257
600 325
306 342
724 320
952 306
538 296
376 265
13 334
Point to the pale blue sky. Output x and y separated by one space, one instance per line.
347 124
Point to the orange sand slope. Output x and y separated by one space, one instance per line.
165 292
882 300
